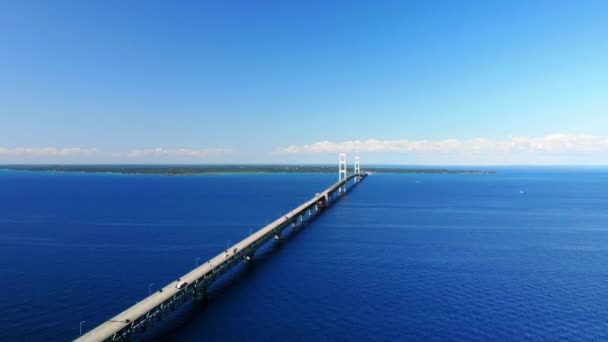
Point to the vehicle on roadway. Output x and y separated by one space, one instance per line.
182 285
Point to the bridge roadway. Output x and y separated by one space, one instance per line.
137 318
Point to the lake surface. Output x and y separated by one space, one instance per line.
517 255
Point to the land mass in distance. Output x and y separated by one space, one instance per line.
214 169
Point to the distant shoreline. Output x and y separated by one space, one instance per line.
224 169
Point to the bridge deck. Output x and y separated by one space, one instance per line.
120 325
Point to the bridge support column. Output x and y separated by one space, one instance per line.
342 170
277 236
357 168
309 212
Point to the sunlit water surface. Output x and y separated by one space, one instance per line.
518 255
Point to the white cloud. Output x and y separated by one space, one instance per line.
180 152
551 144
46 151
76 154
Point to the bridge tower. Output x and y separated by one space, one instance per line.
342 169
357 168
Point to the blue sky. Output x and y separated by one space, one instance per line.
403 82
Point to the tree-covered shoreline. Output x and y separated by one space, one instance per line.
215 169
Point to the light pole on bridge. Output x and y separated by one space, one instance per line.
80 334
196 262
150 289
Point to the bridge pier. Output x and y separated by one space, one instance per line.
322 204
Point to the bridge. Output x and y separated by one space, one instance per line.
128 324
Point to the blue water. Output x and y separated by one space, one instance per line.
519 255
